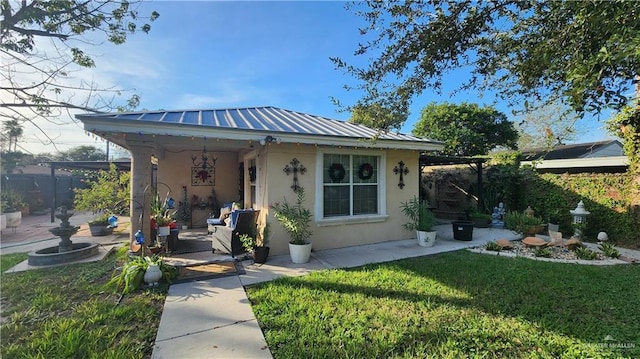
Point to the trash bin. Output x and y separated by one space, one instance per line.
462 230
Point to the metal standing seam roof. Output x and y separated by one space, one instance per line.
268 119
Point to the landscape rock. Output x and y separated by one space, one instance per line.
504 243
534 242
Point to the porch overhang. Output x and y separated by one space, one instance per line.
121 132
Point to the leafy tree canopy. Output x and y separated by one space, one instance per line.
44 42
376 116
547 126
466 129
584 52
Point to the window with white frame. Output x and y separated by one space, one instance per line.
350 185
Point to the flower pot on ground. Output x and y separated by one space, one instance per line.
300 253
421 219
14 219
100 226
295 219
152 275
260 254
12 205
523 223
480 219
137 270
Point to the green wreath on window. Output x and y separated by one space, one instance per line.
336 172
365 171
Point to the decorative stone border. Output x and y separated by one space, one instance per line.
623 259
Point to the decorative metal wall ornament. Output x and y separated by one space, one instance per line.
402 170
295 168
204 171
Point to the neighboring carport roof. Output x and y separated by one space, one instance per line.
90 165
575 150
251 123
429 160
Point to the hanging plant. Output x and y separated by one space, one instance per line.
336 172
365 171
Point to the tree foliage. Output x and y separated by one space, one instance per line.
466 129
584 52
376 116
11 132
44 42
82 153
547 126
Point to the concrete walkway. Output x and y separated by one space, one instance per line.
214 319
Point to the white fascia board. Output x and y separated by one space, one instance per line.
580 162
134 127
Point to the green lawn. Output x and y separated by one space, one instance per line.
66 312
454 305
458 304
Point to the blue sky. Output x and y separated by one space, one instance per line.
210 54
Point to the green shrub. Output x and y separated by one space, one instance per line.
520 222
109 194
609 251
493 246
583 252
542 252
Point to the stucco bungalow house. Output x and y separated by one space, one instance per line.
258 155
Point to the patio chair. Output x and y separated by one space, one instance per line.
226 239
225 210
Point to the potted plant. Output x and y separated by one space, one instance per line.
554 221
261 250
100 226
295 219
161 214
479 219
421 220
523 223
12 204
184 209
139 269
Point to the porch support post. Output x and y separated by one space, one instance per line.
140 201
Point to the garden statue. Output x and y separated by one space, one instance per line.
497 217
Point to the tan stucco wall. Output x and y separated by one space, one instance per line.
344 234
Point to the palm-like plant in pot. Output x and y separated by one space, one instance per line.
162 214
421 220
295 218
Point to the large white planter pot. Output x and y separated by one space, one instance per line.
164 231
3 221
426 239
14 219
300 253
152 275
